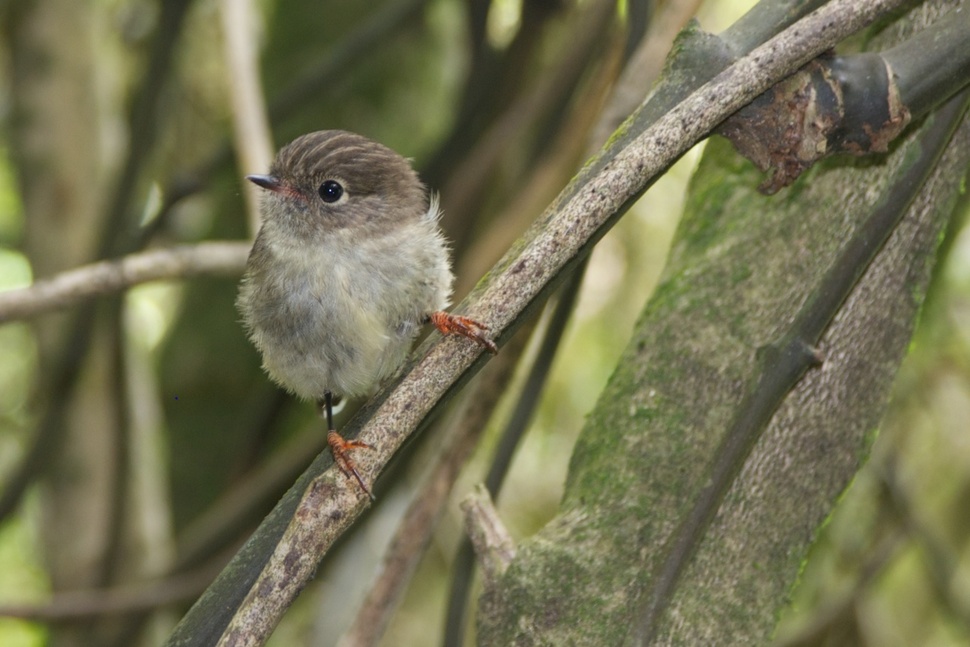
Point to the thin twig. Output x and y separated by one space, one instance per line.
108 277
250 124
494 546
127 598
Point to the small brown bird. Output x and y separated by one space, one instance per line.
347 266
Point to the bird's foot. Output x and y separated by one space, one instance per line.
340 447
449 324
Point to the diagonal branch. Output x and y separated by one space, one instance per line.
418 524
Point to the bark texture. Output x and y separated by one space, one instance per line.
741 269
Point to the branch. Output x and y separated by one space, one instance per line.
323 504
107 277
645 65
250 124
146 596
527 402
413 535
934 63
855 104
467 181
494 546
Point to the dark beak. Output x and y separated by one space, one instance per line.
268 182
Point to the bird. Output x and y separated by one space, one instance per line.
349 263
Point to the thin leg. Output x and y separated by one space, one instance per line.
339 447
449 324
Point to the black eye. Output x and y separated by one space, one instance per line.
330 191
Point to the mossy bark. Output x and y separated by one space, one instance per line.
741 268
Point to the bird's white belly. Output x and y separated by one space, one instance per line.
331 341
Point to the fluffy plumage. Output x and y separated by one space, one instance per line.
335 292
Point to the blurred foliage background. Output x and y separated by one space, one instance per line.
172 444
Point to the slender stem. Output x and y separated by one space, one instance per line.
250 123
109 277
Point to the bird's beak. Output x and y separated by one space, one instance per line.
268 182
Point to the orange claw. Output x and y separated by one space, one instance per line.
340 447
449 324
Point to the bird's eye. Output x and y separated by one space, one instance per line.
330 191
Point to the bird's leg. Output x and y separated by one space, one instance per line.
449 324
339 447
